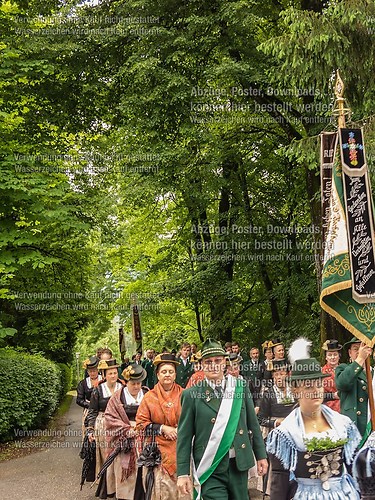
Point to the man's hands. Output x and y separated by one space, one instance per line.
364 352
262 466
185 485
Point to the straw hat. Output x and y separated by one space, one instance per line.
268 344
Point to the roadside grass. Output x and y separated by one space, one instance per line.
36 440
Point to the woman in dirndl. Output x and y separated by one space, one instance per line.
86 386
120 430
309 449
158 415
95 418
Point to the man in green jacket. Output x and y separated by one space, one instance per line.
185 369
219 428
148 365
351 383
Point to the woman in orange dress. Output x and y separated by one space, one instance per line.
158 415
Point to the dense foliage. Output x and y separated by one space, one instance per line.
30 392
168 151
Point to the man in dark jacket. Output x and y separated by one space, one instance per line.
351 383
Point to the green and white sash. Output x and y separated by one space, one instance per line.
222 434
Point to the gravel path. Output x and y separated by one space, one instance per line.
55 471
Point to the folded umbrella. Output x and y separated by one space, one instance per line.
88 454
150 458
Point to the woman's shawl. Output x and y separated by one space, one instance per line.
288 438
117 426
161 407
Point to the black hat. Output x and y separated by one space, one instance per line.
331 345
92 362
134 372
166 357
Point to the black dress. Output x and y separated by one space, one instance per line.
84 391
95 420
270 409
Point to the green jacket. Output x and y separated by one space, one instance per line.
150 370
351 383
183 372
198 414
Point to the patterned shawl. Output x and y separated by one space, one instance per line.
161 407
117 425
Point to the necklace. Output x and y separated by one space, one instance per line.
312 417
313 414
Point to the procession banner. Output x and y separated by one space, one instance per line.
348 226
359 214
328 144
136 324
121 340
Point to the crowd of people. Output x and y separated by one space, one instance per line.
172 424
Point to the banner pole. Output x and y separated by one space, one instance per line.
341 122
370 393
